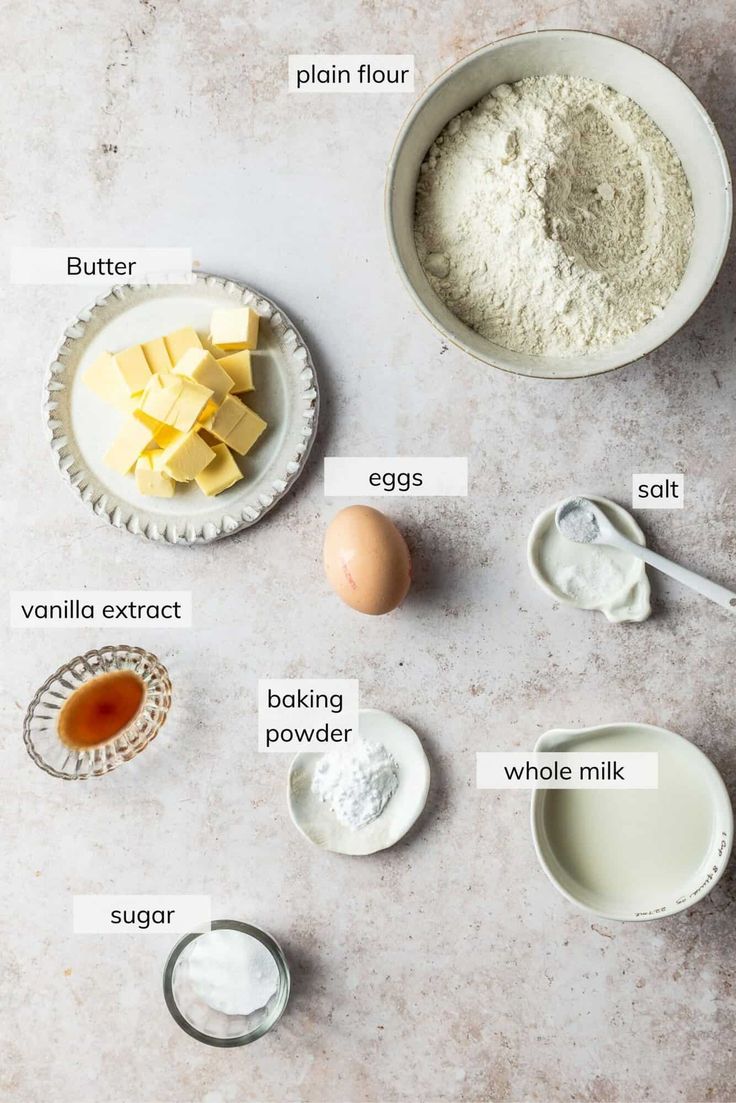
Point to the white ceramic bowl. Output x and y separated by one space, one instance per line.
631 602
318 823
628 70
638 854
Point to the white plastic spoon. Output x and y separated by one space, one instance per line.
581 521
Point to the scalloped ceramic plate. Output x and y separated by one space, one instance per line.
82 426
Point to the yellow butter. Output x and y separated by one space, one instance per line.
209 412
166 436
157 355
234 328
208 344
200 366
126 403
134 437
151 423
239 368
191 402
103 378
236 425
222 473
247 431
185 458
133 369
226 418
150 479
179 341
159 397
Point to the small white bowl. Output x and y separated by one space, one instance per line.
671 861
632 602
668 101
318 823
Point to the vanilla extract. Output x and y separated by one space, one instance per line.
100 709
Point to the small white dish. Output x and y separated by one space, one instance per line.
630 854
627 69
546 545
314 818
81 426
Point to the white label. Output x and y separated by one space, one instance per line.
351 72
99 266
567 770
116 914
396 476
100 608
307 714
657 491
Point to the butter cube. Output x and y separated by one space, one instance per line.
208 344
226 418
234 328
209 412
176 401
245 434
179 341
185 458
200 366
150 480
238 367
237 425
190 404
103 378
145 419
221 473
157 355
159 397
165 436
134 437
133 369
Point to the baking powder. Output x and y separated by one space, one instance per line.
357 783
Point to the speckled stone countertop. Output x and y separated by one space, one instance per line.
447 968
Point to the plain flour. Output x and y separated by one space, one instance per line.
554 217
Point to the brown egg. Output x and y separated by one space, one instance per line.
367 562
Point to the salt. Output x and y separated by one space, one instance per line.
592 581
577 522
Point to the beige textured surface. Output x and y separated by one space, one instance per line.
447 968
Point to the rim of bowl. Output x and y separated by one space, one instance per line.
414 111
276 952
95 652
721 804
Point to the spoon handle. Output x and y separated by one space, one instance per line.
719 594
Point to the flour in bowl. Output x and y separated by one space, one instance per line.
554 217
